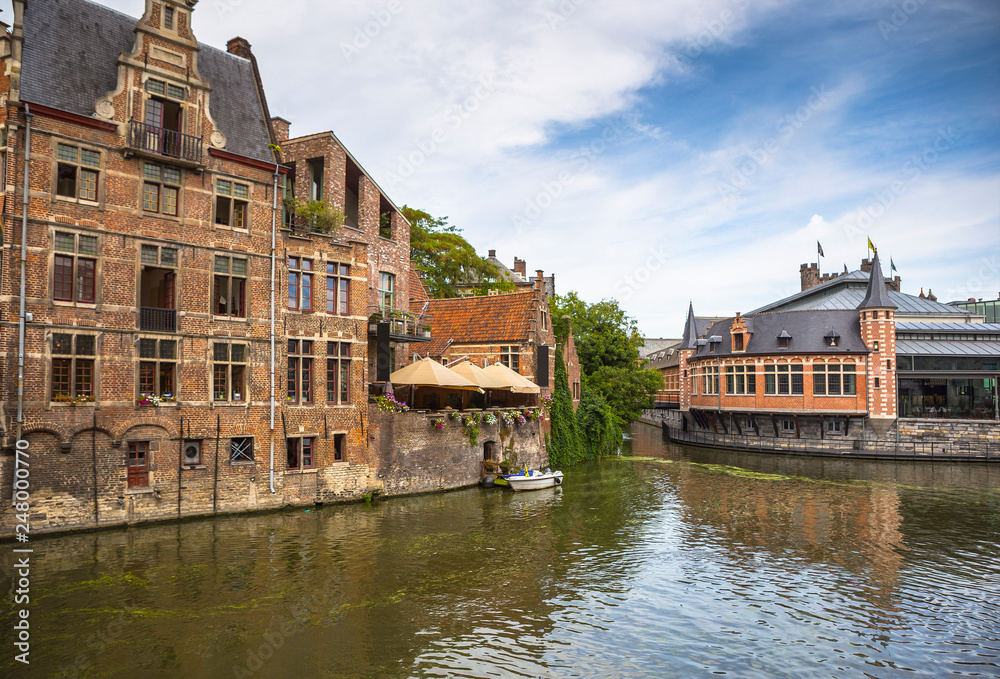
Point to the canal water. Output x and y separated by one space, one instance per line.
664 562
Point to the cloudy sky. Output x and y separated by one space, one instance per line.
661 152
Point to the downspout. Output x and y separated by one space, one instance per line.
24 259
274 226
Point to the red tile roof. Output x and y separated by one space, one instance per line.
418 291
480 320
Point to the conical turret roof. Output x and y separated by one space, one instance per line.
877 295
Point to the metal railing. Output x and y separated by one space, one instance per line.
401 322
903 449
152 319
164 142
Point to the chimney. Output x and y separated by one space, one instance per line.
239 46
519 267
281 129
539 279
866 265
493 253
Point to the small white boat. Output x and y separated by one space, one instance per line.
533 480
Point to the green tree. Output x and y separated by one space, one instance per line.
604 334
627 390
598 428
607 341
445 258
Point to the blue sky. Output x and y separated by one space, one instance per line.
661 152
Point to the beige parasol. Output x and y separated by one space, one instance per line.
429 373
522 385
484 379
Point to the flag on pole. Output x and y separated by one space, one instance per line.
892 265
819 249
871 246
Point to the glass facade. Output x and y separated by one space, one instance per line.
948 397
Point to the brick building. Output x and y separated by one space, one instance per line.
512 329
179 355
837 361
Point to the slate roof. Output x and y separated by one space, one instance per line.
946 348
69 61
943 326
651 346
480 320
876 296
808 330
690 331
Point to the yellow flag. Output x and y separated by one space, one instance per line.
871 246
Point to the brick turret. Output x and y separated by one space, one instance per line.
878 331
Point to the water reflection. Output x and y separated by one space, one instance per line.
669 561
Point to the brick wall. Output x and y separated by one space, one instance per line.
415 457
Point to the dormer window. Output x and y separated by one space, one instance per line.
738 342
783 339
832 338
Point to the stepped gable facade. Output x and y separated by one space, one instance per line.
186 349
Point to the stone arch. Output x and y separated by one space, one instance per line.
136 422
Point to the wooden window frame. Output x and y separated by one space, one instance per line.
224 371
81 285
338 289
155 361
86 168
237 207
300 453
301 284
241 450
228 278
338 373
154 175
301 379
73 368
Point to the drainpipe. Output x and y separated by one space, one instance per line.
24 259
274 226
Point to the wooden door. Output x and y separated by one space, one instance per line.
138 464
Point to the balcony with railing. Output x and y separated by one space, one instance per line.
152 319
403 326
152 140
